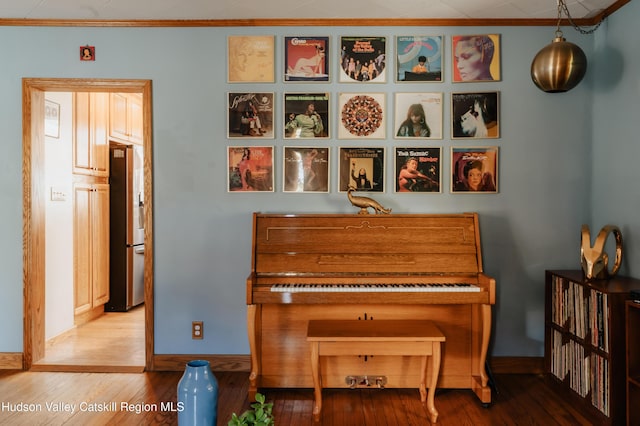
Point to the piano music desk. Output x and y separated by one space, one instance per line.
376 337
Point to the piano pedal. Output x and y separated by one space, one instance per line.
355 382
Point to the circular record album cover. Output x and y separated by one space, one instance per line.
361 116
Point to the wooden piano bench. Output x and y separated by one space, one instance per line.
376 337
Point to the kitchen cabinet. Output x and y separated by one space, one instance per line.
90 141
91 249
125 117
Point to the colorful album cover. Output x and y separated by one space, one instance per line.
306 169
250 168
419 58
418 169
306 59
363 59
362 169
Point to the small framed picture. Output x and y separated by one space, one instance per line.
306 169
476 58
306 115
250 115
418 169
51 119
418 116
361 116
475 115
87 53
419 58
363 59
250 59
250 169
361 169
306 59
474 169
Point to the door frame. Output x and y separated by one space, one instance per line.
34 197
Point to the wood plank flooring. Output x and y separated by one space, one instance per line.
137 398
114 342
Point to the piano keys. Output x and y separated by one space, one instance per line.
374 288
367 267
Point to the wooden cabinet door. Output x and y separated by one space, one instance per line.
118 116
82 244
100 241
135 119
91 142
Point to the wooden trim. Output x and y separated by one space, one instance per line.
517 365
33 204
11 361
238 363
310 22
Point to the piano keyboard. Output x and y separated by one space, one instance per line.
374 288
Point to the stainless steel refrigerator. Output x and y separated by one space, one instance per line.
126 213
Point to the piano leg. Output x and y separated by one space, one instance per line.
317 380
253 316
486 334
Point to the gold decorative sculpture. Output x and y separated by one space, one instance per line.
594 259
365 203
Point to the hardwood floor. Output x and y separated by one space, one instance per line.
136 399
113 342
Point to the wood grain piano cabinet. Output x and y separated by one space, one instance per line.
367 267
633 362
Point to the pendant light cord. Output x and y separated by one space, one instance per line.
562 6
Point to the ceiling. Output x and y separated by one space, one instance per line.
114 10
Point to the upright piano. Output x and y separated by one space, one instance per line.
367 267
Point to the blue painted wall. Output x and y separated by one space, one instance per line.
548 149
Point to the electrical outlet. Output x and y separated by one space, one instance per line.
197 329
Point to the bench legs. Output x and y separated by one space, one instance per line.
429 396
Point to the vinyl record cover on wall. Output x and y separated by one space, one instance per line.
306 59
363 60
306 115
362 169
474 169
250 168
418 115
250 115
306 169
475 115
418 169
419 58
476 58
250 59
361 116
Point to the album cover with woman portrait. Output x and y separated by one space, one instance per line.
475 58
250 115
418 116
250 59
361 116
418 169
419 58
306 59
306 115
363 60
474 169
306 169
250 168
361 169
475 115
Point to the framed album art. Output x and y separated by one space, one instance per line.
361 169
250 169
306 169
250 59
363 59
250 115
476 58
474 169
418 116
306 59
418 169
475 115
306 115
361 116
419 58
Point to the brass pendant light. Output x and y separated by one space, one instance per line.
561 65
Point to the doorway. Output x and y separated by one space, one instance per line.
34 190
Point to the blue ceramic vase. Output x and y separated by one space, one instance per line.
197 395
